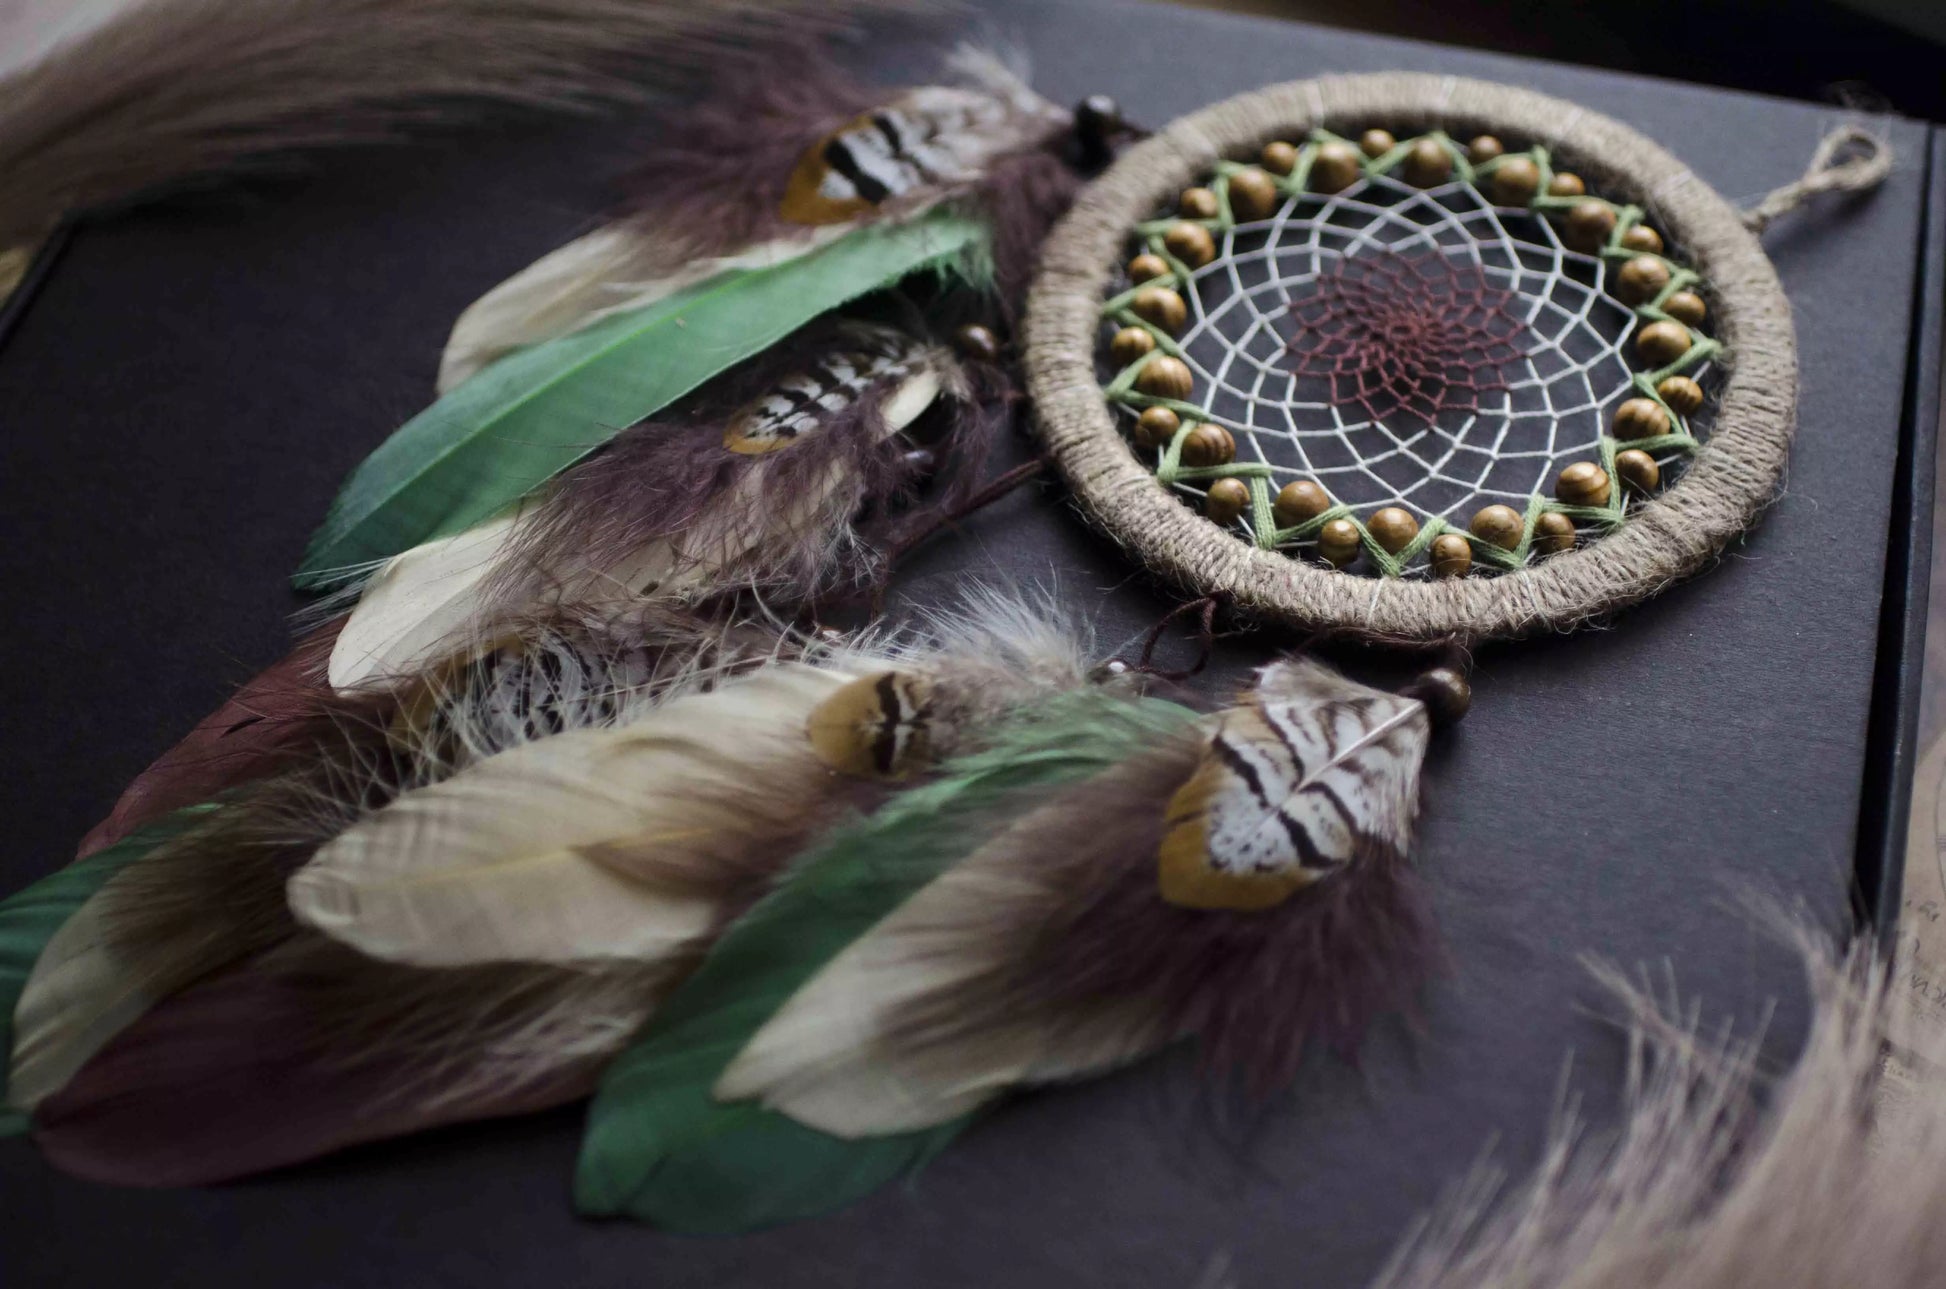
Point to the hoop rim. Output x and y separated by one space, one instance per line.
1731 478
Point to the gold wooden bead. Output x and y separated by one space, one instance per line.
1661 343
1299 503
1588 225
1190 243
1687 308
1253 195
1226 499
1501 525
1638 470
1338 542
1427 164
1197 203
1208 445
1445 691
1582 484
1278 157
1641 279
1335 167
1566 184
1515 181
1147 268
1166 376
1642 238
1452 555
1640 418
1129 344
978 343
1156 426
1392 528
1376 143
1160 307
1484 148
1554 533
1683 395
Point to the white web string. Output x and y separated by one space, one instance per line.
1559 392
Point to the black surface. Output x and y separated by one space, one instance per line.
191 385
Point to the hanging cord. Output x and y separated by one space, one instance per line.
1204 611
1024 473
1867 166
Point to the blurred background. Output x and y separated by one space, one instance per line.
1871 53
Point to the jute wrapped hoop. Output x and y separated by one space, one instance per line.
1732 477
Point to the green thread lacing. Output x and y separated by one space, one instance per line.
1259 519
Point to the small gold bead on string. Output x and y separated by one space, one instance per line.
1253 195
1427 164
1190 243
1686 307
977 342
1166 376
1641 279
1376 143
1156 426
1582 484
1147 268
1661 343
1278 157
1640 418
1683 395
1446 692
1588 225
1484 148
1197 203
1129 344
1566 184
1299 503
1515 181
1640 237
1553 533
1160 307
1452 555
1500 525
1335 167
1226 500
1392 528
1638 470
1338 542
1208 445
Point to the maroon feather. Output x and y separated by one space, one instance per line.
271 720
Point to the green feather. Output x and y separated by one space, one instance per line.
29 920
659 1147
520 422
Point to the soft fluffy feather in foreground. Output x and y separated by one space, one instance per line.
172 90
1714 1181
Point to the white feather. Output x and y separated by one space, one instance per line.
78 997
523 856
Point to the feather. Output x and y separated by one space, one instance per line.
787 155
456 992
215 894
490 442
275 717
757 486
1049 953
173 90
659 1147
32 918
550 852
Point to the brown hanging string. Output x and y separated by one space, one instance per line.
1205 612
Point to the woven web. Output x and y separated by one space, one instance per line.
1406 346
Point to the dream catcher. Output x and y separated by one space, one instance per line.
573 792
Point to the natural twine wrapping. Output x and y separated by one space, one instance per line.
1731 478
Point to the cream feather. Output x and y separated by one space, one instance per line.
79 996
550 852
